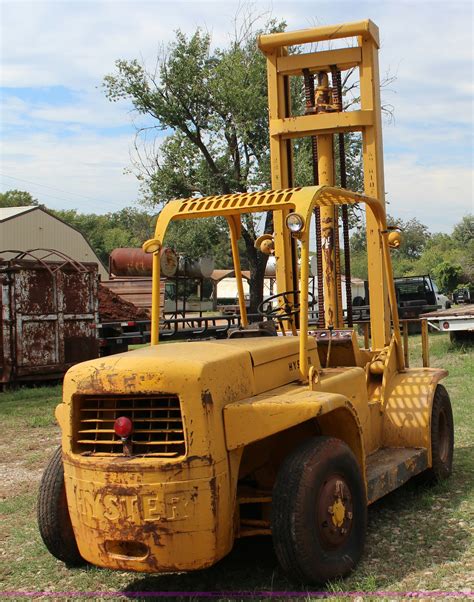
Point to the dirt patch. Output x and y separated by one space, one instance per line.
113 307
14 476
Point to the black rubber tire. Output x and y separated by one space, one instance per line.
442 437
53 515
298 488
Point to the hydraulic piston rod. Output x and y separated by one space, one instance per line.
329 218
311 108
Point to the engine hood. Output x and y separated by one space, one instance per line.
227 369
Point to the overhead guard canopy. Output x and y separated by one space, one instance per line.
302 200
231 206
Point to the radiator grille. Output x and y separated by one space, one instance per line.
157 425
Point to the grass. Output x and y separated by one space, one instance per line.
419 539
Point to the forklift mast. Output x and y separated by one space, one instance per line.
323 119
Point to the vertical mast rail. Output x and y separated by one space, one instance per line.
324 122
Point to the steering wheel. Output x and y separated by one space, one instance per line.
286 310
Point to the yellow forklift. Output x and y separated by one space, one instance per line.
171 452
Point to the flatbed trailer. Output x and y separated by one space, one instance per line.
116 336
458 321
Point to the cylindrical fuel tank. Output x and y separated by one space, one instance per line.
134 262
201 268
270 268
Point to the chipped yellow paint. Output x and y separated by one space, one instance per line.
263 415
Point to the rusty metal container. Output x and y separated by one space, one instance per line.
48 315
196 268
126 262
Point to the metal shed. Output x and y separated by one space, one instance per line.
25 228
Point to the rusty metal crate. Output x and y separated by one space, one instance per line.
48 315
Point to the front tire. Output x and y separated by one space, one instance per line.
54 521
442 437
319 511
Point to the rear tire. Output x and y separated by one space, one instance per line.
461 337
442 437
319 511
54 521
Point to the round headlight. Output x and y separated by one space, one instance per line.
294 222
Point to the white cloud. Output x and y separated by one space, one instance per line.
13 111
88 108
74 44
88 166
439 196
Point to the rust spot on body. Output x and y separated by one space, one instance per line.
213 487
206 399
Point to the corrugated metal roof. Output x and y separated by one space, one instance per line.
8 212
24 228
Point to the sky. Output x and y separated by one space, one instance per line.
66 144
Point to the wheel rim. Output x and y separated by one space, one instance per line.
443 437
334 512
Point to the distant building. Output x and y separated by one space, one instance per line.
26 228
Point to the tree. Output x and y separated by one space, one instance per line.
456 249
463 232
439 247
415 235
448 276
126 228
197 237
215 102
17 198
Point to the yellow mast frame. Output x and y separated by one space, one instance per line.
284 127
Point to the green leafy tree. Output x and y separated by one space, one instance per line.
457 249
126 228
463 232
17 198
415 237
440 246
448 276
197 238
138 225
215 103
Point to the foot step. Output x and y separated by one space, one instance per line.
390 467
